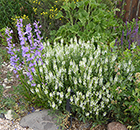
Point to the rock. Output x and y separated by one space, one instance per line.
39 120
116 126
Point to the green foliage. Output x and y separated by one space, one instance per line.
3 37
86 19
3 54
126 108
100 82
45 12
8 8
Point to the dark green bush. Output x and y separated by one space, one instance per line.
12 8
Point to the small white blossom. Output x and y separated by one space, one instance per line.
81 54
57 93
46 91
71 40
71 63
38 85
125 65
28 82
116 78
53 105
106 60
113 58
97 112
32 90
67 95
76 100
88 94
75 39
132 68
47 62
111 79
84 60
107 91
128 70
80 81
81 105
87 114
39 63
71 99
41 69
56 87
96 81
104 114
103 88
69 89
50 74
100 96
84 82
37 90
75 81
108 95
51 95
61 95
93 62
63 63
48 43
129 63
60 101
46 77
85 75
101 81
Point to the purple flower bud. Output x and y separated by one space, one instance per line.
33 84
32 69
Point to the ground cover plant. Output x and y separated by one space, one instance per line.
49 73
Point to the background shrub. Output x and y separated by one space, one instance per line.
85 20
13 9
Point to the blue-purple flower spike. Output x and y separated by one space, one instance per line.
122 37
20 32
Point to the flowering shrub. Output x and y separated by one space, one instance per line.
94 74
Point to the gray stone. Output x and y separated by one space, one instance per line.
116 126
39 120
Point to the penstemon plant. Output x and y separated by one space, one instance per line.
29 50
94 74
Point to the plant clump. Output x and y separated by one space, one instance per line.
99 81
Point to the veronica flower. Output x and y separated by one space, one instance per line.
122 37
